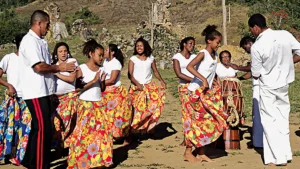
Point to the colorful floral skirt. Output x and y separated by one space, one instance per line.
64 117
148 105
91 144
208 120
118 108
15 126
186 110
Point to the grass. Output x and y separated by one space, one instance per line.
296 153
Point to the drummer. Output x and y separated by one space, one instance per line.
223 70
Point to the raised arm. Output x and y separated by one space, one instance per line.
191 68
42 67
70 78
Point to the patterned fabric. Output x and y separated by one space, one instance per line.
118 108
148 105
64 117
91 143
15 126
186 110
208 120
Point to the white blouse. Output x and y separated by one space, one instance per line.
224 72
94 92
183 62
142 70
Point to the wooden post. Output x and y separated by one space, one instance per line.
224 23
152 26
229 13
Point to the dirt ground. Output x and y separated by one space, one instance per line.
164 152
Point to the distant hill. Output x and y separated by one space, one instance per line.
123 16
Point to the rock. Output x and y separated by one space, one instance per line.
81 28
59 30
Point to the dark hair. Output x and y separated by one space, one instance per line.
54 53
258 20
38 15
91 46
245 40
185 41
147 49
18 40
224 51
118 53
210 33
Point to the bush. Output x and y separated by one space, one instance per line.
11 25
84 13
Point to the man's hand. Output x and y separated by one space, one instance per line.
233 66
67 67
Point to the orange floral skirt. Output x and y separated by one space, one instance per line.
118 107
147 105
91 144
65 116
208 119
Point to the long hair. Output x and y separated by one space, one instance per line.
147 49
118 53
54 53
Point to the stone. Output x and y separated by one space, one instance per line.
59 29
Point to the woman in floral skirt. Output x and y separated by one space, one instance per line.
115 96
91 141
146 97
208 121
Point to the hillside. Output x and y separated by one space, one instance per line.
123 16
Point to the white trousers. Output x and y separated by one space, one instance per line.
257 129
275 110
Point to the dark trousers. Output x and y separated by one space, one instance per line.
37 154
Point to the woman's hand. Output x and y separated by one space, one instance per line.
11 91
205 85
140 87
163 84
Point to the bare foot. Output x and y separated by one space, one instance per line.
183 143
271 165
284 164
204 158
126 143
190 158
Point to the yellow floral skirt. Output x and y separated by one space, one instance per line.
147 105
117 106
64 117
208 119
91 144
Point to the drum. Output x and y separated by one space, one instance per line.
233 100
231 139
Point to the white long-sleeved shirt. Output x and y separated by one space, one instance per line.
272 58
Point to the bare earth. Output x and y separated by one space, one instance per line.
164 151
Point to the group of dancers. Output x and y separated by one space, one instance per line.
53 102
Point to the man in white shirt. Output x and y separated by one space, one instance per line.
37 85
272 63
